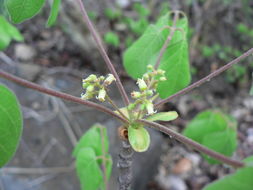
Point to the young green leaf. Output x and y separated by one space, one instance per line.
93 138
175 60
214 130
54 13
139 138
112 38
11 124
88 170
163 116
21 10
240 180
7 33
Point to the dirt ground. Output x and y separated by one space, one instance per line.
54 58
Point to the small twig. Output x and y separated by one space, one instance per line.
58 94
193 144
167 42
103 52
206 79
116 107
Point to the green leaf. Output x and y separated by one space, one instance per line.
8 33
95 138
175 60
139 138
205 123
11 124
54 13
214 130
88 170
163 116
137 57
224 142
240 180
21 10
111 38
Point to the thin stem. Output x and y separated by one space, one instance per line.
193 144
167 42
116 107
58 94
207 78
103 52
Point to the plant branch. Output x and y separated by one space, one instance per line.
58 94
167 42
103 52
193 144
207 78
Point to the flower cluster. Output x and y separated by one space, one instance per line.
96 86
147 90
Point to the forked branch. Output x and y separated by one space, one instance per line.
207 78
193 144
58 94
103 52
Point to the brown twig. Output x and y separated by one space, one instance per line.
58 94
207 78
193 144
103 52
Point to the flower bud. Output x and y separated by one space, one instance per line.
150 108
150 67
90 88
90 78
101 95
160 72
85 84
149 93
135 94
109 79
101 78
142 85
162 79
146 76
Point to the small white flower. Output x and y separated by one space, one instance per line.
150 108
109 79
101 95
142 85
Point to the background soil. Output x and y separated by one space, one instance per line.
59 57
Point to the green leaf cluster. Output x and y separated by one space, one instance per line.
8 33
214 130
11 124
91 155
241 179
175 61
